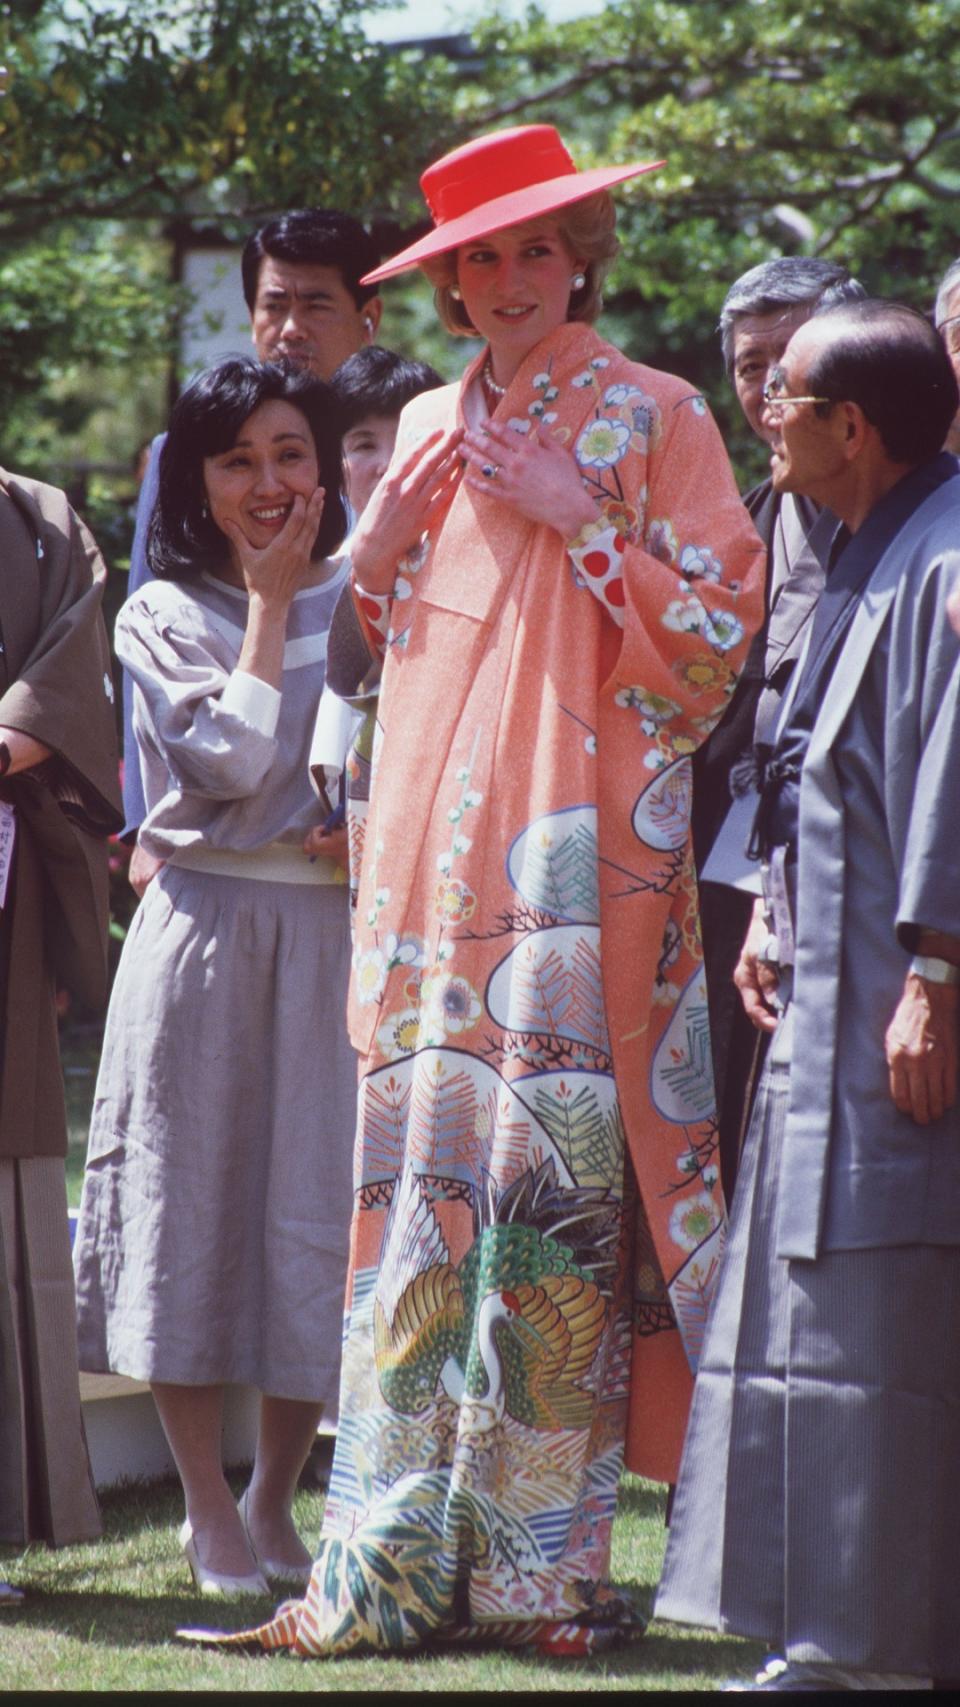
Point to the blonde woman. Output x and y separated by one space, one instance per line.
537 1215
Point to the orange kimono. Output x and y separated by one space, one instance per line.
538 1218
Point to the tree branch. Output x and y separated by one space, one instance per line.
881 188
566 86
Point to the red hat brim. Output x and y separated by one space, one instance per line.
516 208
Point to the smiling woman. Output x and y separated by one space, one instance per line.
239 423
217 1193
584 235
252 487
561 579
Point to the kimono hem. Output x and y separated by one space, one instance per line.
537 1217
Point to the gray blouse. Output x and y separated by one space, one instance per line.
224 756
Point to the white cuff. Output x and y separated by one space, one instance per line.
253 700
934 970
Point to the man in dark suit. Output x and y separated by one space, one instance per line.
761 312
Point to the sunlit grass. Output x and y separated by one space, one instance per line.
103 1617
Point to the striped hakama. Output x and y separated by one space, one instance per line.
46 1490
819 1504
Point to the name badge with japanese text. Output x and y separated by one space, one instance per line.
8 826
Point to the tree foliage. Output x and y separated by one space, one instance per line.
74 305
826 127
131 108
817 126
213 111
834 127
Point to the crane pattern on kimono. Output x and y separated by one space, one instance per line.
513 1328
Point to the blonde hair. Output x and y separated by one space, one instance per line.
588 230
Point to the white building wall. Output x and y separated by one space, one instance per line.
218 323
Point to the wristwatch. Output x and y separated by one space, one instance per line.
5 760
934 970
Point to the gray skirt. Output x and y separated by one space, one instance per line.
818 1505
213 1232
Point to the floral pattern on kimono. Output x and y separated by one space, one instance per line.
529 1006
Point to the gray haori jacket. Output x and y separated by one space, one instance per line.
879 858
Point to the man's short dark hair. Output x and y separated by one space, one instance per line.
890 360
313 237
206 420
788 281
375 381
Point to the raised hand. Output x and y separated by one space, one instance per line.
273 573
416 488
532 473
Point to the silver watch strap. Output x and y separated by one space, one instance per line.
934 970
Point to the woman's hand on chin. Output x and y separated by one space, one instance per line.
415 488
273 573
532 473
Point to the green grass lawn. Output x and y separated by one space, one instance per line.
103 1618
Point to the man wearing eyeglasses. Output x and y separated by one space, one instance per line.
762 310
819 1503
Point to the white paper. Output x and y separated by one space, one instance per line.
8 825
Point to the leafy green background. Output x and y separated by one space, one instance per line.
830 129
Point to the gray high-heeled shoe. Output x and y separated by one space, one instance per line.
272 1568
217 1583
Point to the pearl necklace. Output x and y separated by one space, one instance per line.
489 383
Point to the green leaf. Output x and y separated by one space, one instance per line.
379 1562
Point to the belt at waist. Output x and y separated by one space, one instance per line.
276 862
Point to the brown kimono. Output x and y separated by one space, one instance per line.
55 685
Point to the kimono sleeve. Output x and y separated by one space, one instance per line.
691 564
211 725
927 773
351 650
63 691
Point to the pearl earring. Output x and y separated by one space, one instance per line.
456 293
578 281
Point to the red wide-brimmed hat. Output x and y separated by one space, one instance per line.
503 179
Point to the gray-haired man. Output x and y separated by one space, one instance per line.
762 310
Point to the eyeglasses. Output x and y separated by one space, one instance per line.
776 398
